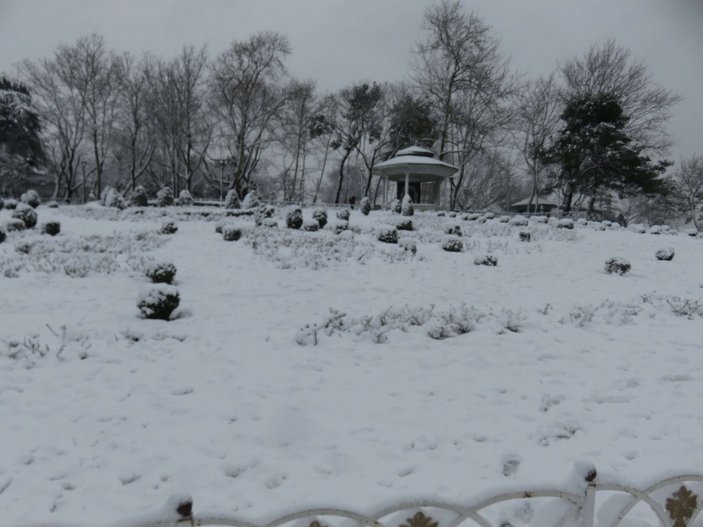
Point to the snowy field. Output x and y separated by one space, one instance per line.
308 369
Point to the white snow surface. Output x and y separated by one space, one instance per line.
106 416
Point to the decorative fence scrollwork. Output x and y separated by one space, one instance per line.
673 502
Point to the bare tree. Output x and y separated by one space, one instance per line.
687 180
247 96
608 69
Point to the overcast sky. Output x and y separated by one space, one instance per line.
336 42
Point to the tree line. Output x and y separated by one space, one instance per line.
89 116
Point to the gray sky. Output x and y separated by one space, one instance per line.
336 42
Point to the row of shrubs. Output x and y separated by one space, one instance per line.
25 217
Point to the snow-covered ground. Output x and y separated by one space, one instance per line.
250 403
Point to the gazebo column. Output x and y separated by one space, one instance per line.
385 190
437 191
407 184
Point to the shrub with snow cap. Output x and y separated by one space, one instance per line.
486 259
25 213
311 226
31 198
168 227
452 243
343 214
161 272
406 224
232 200
185 198
666 254
472 216
159 302
565 223
525 236
582 222
251 200
294 219
2 204
138 197
231 233
453 230
387 234
165 197
3 236
518 221
51 205
269 222
340 226
406 208
539 219
320 216
52 228
263 212
396 206
10 204
408 244
617 265
114 199
365 206
14 225
504 219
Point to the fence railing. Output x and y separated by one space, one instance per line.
673 502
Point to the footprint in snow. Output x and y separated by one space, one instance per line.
182 390
511 464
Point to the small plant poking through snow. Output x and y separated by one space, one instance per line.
387 234
452 244
320 216
25 213
666 254
453 230
525 236
168 227
343 215
365 206
294 219
231 233
52 228
617 265
408 244
487 259
161 272
158 302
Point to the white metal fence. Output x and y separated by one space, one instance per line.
673 502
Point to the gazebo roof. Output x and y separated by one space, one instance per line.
417 161
415 151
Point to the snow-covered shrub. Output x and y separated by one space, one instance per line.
405 224
52 228
365 206
2 204
161 272
269 222
504 219
311 226
185 198
31 198
473 216
168 227
294 219
263 212
10 204
14 225
441 214
656 229
387 234
452 244
408 244
453 230
666 254
158 302
396 206
24 247
232 200
3 236
406 208
51 205
539 219
487 259
340 226
581 221
343 214
525 236
114 199
165 197
453 323
138 197
251 200
320 216
518 221
231 233
617 265
639 228
565 223
25 213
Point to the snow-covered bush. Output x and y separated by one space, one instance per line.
340 226
518 221
14 225
10 204
294 219
365 206
406 208
114 199
168 227
406 224
31 198
158 302
582 222
525 236
138 197
489 215
251 200
343 214
454 323
161 272
52 228
453 230
387 234
539 219
311 226
617 265
320 216
565 223
452 244
25 213
2 204
3 236
185 198
165 197
486 259
639 228
269 222
231 233
408 244
232 200
51 205
666 254
472 216
396 206
504 219
263 212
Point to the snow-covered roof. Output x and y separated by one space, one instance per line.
537 200
414 160
415 151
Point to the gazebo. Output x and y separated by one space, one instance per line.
417 173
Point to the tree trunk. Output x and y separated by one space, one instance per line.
347 152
